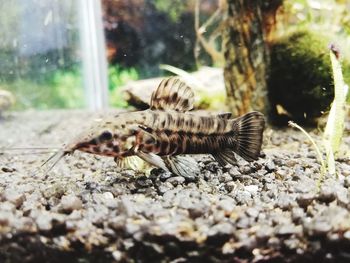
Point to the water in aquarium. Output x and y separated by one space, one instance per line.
174 131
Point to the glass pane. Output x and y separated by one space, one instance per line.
40 53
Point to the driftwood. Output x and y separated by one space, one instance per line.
248 27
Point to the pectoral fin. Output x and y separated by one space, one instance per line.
224 158
153 159
132 162
184 166
180 165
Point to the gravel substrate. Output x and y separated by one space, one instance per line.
87 210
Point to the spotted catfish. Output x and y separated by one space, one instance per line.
164 134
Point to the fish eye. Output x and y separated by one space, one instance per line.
105 136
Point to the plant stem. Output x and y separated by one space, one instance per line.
323 165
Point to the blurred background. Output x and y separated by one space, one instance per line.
78 54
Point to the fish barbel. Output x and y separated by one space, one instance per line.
163 134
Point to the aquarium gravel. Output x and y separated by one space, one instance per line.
87 210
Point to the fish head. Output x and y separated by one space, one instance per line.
116 141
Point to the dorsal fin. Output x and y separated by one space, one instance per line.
172 94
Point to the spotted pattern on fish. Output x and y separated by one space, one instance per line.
165 133
180 133
167 130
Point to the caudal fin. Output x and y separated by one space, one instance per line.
250 135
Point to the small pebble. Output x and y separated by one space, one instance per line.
5 218
327 194
221 228
273 242
346 172
8 169
230 186
234 172
165 176
243 222
175 181
252 189
246 169
317 227
163 188
298 172
225 178
7 206
270 166
305 199
333 236
252 212
347 182
347 235
195 212
227 204
322 227
14 197
143 182
26 224
243 197
288 229
297 214
285 202
108 195
70 203
117 255
212 167
44 223
264 232
292 243
278 161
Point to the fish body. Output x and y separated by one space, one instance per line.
164 133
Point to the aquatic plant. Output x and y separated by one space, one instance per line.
333 132
117 77
335 124
61 88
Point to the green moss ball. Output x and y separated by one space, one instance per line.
301 76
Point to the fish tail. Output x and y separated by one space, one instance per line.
250 135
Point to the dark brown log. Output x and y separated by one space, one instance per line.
249 24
